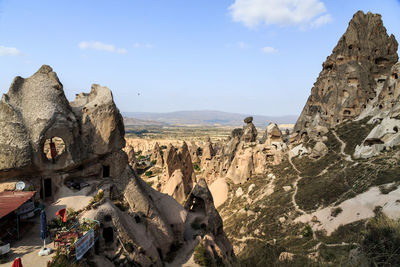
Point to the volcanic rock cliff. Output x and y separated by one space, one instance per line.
352 75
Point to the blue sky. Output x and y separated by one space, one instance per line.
247 56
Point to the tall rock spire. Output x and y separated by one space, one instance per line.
351 75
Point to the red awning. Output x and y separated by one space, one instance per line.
12 200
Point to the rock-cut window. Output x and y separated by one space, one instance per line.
53 147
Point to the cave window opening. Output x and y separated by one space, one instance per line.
380 106
395 129
53 148
108 234
106 171
346 112
395 76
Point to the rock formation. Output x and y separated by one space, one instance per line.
319 150
194 152
249 130
272 135
241 157
130 152
352 76
156 156
35 112
200 201
207 155
178 160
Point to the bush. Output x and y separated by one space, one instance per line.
307 231
336 211
153 162
150 183
196 167
202 257
148 173
381 243
387 189
99 196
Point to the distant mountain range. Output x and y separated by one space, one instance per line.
201 117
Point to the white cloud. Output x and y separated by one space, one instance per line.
280 12
242 45
269 50
9 51
140 45
99 46
321 21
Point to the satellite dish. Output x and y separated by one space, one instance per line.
20 186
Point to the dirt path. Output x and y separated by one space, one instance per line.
296 207
342 148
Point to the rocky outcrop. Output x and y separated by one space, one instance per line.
208 150
130 152
200 201
272 135
156 156
352 76
178 160
249 131
194 152
319 150
239 158
35 111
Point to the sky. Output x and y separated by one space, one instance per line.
256 57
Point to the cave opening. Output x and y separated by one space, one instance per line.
53 148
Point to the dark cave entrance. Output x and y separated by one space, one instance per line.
106 171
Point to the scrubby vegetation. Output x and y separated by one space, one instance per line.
381 244
336 211
202 257
353 133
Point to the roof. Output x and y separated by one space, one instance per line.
12 200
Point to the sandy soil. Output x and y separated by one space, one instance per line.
354 209
66 198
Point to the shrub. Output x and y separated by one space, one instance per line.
196 167
150 183
307 231
99 196
153 162
148 173
336 211
202 257
387 189
381 243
